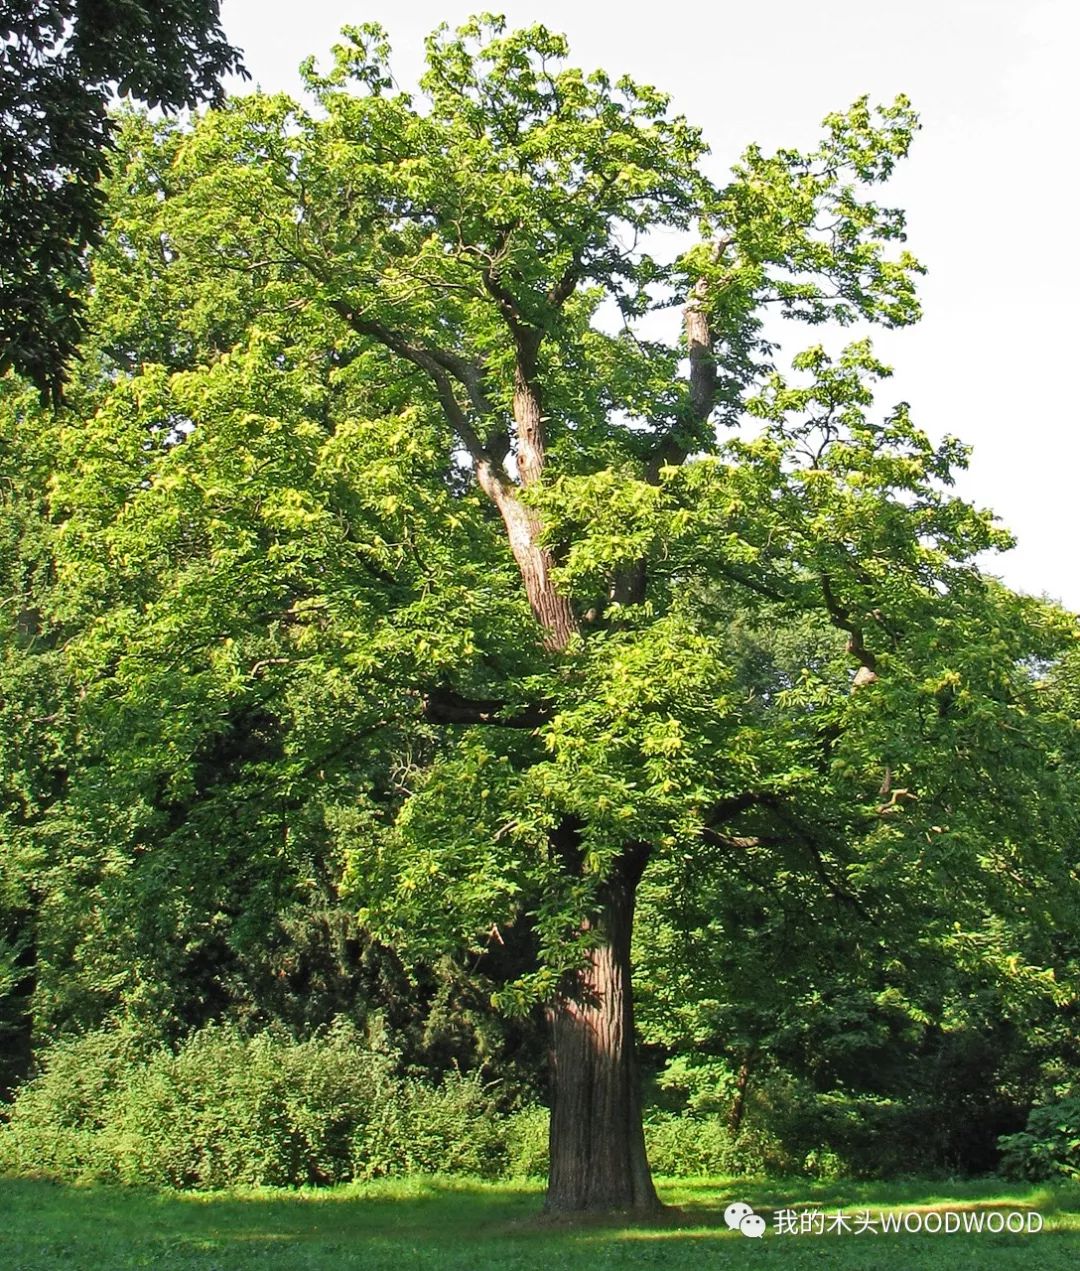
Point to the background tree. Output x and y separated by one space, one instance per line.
62 61
776 1001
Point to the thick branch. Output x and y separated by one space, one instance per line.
724 809
792 828
446 369
561 291
529 415
753 584
803 836
841 617
672 449
520 329
528 408
702 361
439 365
552 609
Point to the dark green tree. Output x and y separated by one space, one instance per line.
62 60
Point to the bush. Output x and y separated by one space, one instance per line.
684 1144
1048 1147
526 1134
449 1129
227 1110
56 1123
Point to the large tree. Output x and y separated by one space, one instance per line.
61 62
372 449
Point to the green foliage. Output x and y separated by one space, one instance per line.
527 1145
56 1124
1048 1147
448 1129
226 1110
285 735
263 525
685 1145
62 61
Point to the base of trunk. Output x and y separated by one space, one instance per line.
598 1160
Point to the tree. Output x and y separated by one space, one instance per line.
61 60
903 1036
356 447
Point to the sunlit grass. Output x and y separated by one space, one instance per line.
455 1224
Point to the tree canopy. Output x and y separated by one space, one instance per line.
382 549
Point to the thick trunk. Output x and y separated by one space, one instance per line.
598 1159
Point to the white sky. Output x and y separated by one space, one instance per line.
990 189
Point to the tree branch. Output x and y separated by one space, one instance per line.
440 366
803 836
793 828
701 397
702 361
841 617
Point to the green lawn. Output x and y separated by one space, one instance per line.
455 1225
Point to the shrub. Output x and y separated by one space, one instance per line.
227 1110
526 1133
682 1144
54 1128
1049 1146
453 1128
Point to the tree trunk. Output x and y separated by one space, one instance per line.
598 1159
738 1104
552 609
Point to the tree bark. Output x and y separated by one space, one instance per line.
597 1143
738 1104
550 607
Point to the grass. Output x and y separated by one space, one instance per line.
455 1225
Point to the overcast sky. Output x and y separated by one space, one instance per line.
990 188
